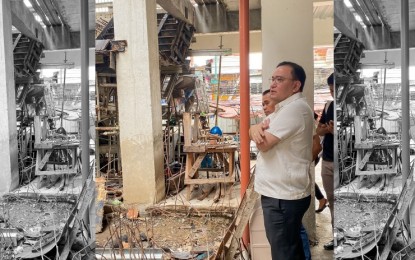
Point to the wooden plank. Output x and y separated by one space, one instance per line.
358 130
189 162
196 165
99 203
408 193
107 128
208 181
56 145
108 85
57 172
195 129
84 201
365 159
232 227
206 190
106 74
187 128
243 219
194 149
44 160
38 127
376 145
377 172
220 148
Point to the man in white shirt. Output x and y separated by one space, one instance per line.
282 178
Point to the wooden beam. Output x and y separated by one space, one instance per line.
187 128
56 172
208 181
365 159
25 22
84 202
377 172
196 165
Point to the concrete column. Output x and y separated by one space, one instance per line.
287 35
138 86
9 174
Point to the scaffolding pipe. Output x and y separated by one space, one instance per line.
244 102
405 88
84 90
63 90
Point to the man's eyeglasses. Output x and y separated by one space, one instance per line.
279 79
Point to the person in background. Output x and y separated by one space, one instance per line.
282 176
322 201
326 128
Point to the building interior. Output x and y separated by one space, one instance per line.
126 124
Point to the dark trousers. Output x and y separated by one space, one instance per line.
319 195
282 219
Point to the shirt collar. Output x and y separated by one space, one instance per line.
289 100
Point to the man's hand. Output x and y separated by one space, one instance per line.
330 127
257 132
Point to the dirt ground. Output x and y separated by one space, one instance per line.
173 232
34 216
359 224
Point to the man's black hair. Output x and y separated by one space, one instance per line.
330 79
298 72
265 92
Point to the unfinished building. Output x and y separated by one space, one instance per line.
154 126
45 197
373 112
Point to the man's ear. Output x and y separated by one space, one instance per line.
297 86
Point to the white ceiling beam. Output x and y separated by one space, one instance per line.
182 10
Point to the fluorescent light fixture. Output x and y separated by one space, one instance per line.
101 10
27 3
347 3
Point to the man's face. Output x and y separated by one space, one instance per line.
268 104
283 85
331 90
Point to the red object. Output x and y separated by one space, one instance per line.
245 105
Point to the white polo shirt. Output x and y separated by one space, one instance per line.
283 172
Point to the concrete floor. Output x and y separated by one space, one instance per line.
323 220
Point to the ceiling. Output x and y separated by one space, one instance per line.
390 10
61 12
382 12
375 23
322 8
